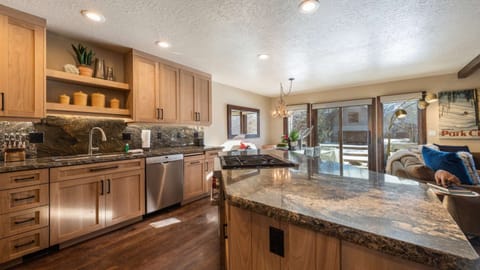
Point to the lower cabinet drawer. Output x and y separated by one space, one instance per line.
12 200
23 221
22 244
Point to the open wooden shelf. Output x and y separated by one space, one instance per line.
57 107
83 80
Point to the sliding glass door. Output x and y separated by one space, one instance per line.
343 134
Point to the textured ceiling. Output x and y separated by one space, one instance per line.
345 43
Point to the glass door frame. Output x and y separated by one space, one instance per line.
371 137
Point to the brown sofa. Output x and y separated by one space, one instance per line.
464 210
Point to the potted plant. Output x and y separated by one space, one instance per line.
84 58
294 137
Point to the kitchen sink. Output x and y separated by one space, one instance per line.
86 157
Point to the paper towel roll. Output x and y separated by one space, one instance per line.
146 138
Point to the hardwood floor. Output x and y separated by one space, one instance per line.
191 244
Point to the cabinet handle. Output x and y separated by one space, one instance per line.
206 163
103 168
24 179
24 198
24 221
158 113
3 101
25 244
108 186
161 114
101 186
225 236
194 162
198 117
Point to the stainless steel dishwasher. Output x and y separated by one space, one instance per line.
164 181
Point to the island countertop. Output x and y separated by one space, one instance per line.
396 216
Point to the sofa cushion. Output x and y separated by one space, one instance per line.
467 159
452 148
450 162
420 172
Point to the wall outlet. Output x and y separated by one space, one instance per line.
432 133
35 137
159 135
126 136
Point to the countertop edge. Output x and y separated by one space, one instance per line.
390 246
45 163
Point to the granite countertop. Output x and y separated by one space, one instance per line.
396 216
51 162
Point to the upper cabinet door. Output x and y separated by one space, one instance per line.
145 87
187 90
168 94
203 99
22 68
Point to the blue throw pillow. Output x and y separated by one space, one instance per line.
450 162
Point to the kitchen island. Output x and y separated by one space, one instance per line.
313 216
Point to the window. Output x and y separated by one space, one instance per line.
298 120
402 123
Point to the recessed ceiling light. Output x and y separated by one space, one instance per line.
308 6
263 56
92 15
162 44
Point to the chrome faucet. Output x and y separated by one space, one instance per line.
90 147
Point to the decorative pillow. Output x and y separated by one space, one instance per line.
450 162
455 148
418 152
467 159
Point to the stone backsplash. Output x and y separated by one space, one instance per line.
69 135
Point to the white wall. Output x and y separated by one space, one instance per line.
429 84
222 95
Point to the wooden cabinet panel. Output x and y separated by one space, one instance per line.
125 196
327 252
77 207
187 90
144 86
208 175
262 258
96 169
193 177
22 244
23 178
168 94
22 66
86 198
300 248
240 239
203 99
355 257
12 200
23 221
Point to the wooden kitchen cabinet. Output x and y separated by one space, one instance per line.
209 161
145 89
168 94
125 196
195 98
203 99
156 89
22 64
193 177
24 219
87 198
